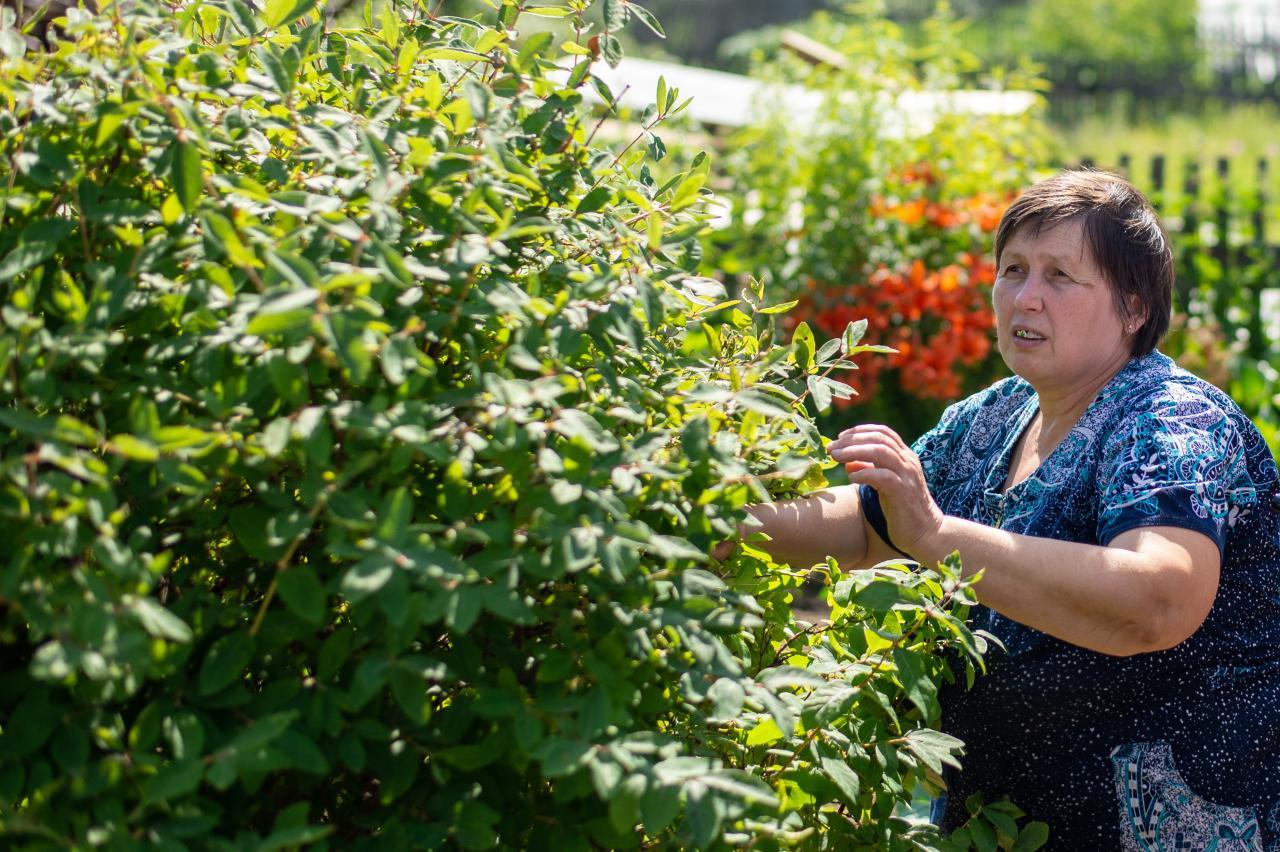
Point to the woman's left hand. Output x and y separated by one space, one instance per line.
875 455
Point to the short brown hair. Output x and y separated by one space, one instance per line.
1123 233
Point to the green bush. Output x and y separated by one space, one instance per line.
357 484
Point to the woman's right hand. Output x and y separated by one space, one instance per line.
875 455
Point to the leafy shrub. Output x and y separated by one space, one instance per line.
358 485
859 211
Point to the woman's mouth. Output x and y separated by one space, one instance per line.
1026 334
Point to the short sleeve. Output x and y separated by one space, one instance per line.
1180 463
933 448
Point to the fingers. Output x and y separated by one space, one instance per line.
874 453
868 432
874 447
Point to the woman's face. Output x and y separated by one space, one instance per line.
1056 320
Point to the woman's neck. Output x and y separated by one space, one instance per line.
1062 408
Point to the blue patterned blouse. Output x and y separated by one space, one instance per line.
1178 749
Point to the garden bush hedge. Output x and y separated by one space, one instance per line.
358 473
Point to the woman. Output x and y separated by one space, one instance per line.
1125 515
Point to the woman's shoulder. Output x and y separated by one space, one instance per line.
1155 384
1167 404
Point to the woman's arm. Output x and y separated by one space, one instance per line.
1149 589
808 529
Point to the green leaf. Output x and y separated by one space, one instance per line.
348 331
917 684
1033 836
186 172
704 815
251 527
160 622
225 662
397 512
646 17
881 595
174 781
582 426
934 748
282 13
367 578
548 11
829 702
456 54
658 807
228 239
742 785
563 755
843 776
853 333
410 692
611 50
820 391
803 342
294 837
279 323
1003 823
615 15
595 199
624 803
727 697
780 308
24 257
303 593
984 837
765 733
134 448
390 18
762 403
37 243
12 45
303 753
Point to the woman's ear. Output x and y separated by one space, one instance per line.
1138 314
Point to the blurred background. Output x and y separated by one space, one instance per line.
862 154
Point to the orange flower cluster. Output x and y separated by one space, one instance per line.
934 309
983 209
938 320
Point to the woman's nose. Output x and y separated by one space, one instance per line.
1028 297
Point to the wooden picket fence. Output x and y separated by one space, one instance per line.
1225 227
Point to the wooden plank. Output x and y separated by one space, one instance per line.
1157 181
813 52
1187 278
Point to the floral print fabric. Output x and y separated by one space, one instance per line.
1157 447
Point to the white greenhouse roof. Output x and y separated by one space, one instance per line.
732 100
